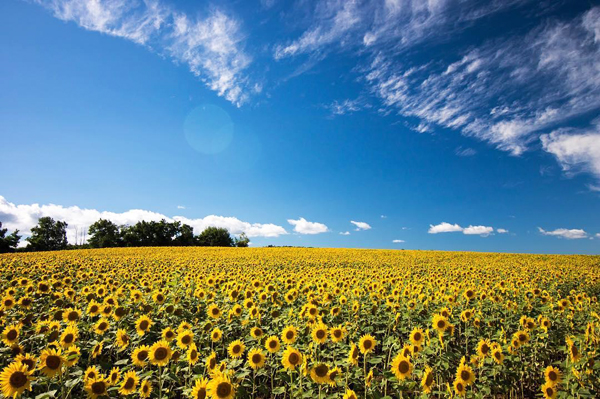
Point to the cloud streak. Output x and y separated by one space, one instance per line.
361 225
212 46
569 234
445 227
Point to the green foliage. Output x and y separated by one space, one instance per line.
48 235
104 234
215 237
242 240
8 243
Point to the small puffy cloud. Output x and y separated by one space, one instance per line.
398 241
303 226
24 217
444 228
180 207
569 234
502 231
576 151
345 233
597 235
383 216
361 225
478 230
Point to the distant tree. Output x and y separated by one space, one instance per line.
48 235
242 240
215 237
8 243
184 235
104 234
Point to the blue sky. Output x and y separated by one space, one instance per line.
452 125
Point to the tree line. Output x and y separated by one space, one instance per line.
51 235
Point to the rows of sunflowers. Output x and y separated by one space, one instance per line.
298 323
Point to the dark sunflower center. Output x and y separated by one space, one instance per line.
429 379
522 337
18 379
465 375
187 339
144 325
273 344
129 383
485 349
333 375
256 358
549 391
368 344
403 367
417 336
69 338
552 375
193 354
160 354
289 334
321 370
223 389
73 316
441 324
337 333
53 362
103 326
170 334
12 335
29 363
294 359
143 355
201 393
237 349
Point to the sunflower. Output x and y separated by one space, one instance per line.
10 335
51 362
337 333
350 394
96 387
160 353
333 375
402 367
93 308
15 379
114 376
211 362
122 339
483 348
236 349
199 389
549 390
145 389
185 338
319 333
214 311
71 315
140 355
369 378
522 337
320 373
272 344
101 326
256 358
8 302
69 336
497 355
256 332
291 359
28 360
192 355
220 387
72 355
142 325
573 350
440 323
91 372
216 335
427 380
97 349
417 336
289 335
353 355
367 344
465 374
552 376
459 387
129 384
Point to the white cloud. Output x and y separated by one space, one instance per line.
502 231
383 216
444 228
575 150
180 207
361 225
211 46
303 226
597 235
345 233
478 230
347 106
465 152
24 217
570 234
398 241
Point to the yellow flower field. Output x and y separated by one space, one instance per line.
298 323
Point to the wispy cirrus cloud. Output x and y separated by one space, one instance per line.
303 226
25 216
212 45
570 234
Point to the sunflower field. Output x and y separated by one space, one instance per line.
298 323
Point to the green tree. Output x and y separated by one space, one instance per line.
184 235
104 234
242 240
8 243
215 237
48 235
